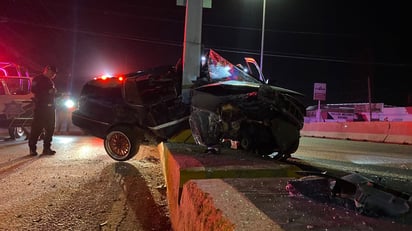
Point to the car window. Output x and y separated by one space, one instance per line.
131 92
142 90
18 86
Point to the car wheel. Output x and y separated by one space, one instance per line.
16 132
246 142
121 143
292 149
246 139
19 132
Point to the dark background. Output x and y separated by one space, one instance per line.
340 43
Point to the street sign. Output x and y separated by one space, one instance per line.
319 91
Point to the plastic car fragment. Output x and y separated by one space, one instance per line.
352 191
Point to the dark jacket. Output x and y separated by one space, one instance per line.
42 89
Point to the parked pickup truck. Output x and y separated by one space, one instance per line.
15 98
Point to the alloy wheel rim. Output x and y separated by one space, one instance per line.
119 144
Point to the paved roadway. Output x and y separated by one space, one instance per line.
389 163
80 188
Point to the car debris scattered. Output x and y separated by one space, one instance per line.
352 191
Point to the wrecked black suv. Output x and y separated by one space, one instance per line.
127 110
226 103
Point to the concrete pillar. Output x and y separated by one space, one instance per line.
191 46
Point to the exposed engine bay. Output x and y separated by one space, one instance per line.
264 119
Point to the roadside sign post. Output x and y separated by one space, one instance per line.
319 94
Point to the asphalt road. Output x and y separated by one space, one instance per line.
80 188
388 164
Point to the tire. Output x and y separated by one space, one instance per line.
122 143
246 142
292 149
16 132
19 132
246 138
255 139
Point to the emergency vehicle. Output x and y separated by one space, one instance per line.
16 108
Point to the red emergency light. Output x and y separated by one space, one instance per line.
105 77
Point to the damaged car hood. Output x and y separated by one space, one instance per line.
237 83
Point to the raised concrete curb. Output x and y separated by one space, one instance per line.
212 204
184 162
236 191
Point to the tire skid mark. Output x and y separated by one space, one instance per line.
7 168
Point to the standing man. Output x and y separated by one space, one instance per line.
63 114
44 110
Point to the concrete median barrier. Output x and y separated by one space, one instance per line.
400 133
380 131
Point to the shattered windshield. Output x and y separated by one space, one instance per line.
219 69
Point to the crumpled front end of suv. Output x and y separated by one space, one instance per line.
230 104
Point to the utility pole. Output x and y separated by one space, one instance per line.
192 43
263 35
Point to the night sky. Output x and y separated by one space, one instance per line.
340 43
